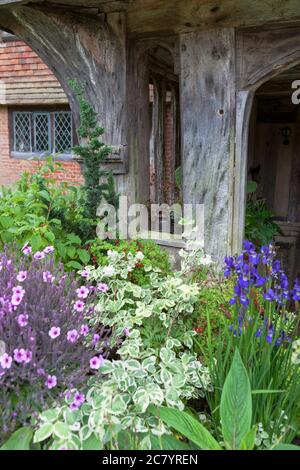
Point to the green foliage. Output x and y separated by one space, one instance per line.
236 416
210 315
259 226
99 183
19 440
164 324
159 374
274 379
188 426
236 404
160 309
40 211
154 257
121 400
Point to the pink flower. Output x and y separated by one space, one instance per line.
5 361
82 292
73 406
16 299
85 273
26 250
54 332
72 336
102 287
19 355
48 250
79 399
18 290
27 357
22 319
96 362
51 381
79 306
39 255
126 331
47 277
22 276
84 330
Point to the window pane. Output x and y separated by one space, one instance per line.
41 132
63 132
22 132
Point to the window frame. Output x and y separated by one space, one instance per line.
51 111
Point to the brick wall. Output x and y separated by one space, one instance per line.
24 81
11 168
169 164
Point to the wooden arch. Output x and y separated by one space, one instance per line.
263 55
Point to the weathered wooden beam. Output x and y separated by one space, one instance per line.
89 49
174 16
208 110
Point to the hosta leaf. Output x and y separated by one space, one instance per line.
248 441
49 415
236 404
61 430
43 432
85 432
19 440
71 417
118 405
187 426
141 399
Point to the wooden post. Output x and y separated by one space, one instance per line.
207 112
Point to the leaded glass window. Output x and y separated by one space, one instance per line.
43 132
22 132
63 132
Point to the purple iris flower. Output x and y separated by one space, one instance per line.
258 333
248 246
269 337
254 259
244 300
260 281
270 295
